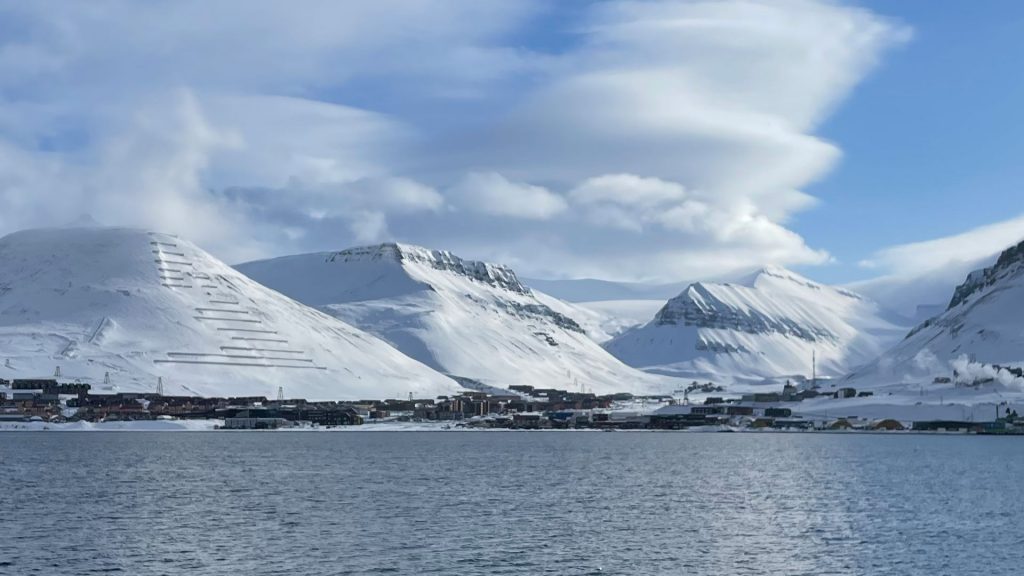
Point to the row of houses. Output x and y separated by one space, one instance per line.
50 400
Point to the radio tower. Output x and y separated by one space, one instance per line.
280 393
814 368
106 378
56 373
159 385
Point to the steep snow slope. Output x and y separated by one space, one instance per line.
982 325
468 319
767 325
141 305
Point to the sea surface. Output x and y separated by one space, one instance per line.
465 503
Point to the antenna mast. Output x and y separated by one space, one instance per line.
814 368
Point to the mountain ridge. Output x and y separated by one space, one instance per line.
466 318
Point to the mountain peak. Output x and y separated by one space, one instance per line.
774 273
1010 262
496 275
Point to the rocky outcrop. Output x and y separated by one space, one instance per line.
491 274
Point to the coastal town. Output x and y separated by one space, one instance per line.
50 401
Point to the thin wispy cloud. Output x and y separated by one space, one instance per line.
941 253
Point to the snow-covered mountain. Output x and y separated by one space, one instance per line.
982 325
765 326
469 319
134 306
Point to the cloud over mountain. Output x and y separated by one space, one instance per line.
671 138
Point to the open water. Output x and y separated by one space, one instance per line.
465 503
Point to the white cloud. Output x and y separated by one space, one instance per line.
369 227
662 139
926 272
491 193
630 202
146 172
919 258
710 223
720 96
288 138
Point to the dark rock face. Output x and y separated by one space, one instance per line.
697 306
490 274
1009 262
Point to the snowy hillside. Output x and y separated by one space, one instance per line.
982 325
139 305
468 319
767 325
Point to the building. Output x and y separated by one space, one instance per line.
246 423
763 397
792 424
777 412
946 426
33 383
530 421
678 418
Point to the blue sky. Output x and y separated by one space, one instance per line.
653 140
931 140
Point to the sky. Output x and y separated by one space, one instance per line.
624 140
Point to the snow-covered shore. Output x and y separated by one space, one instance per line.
125 426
